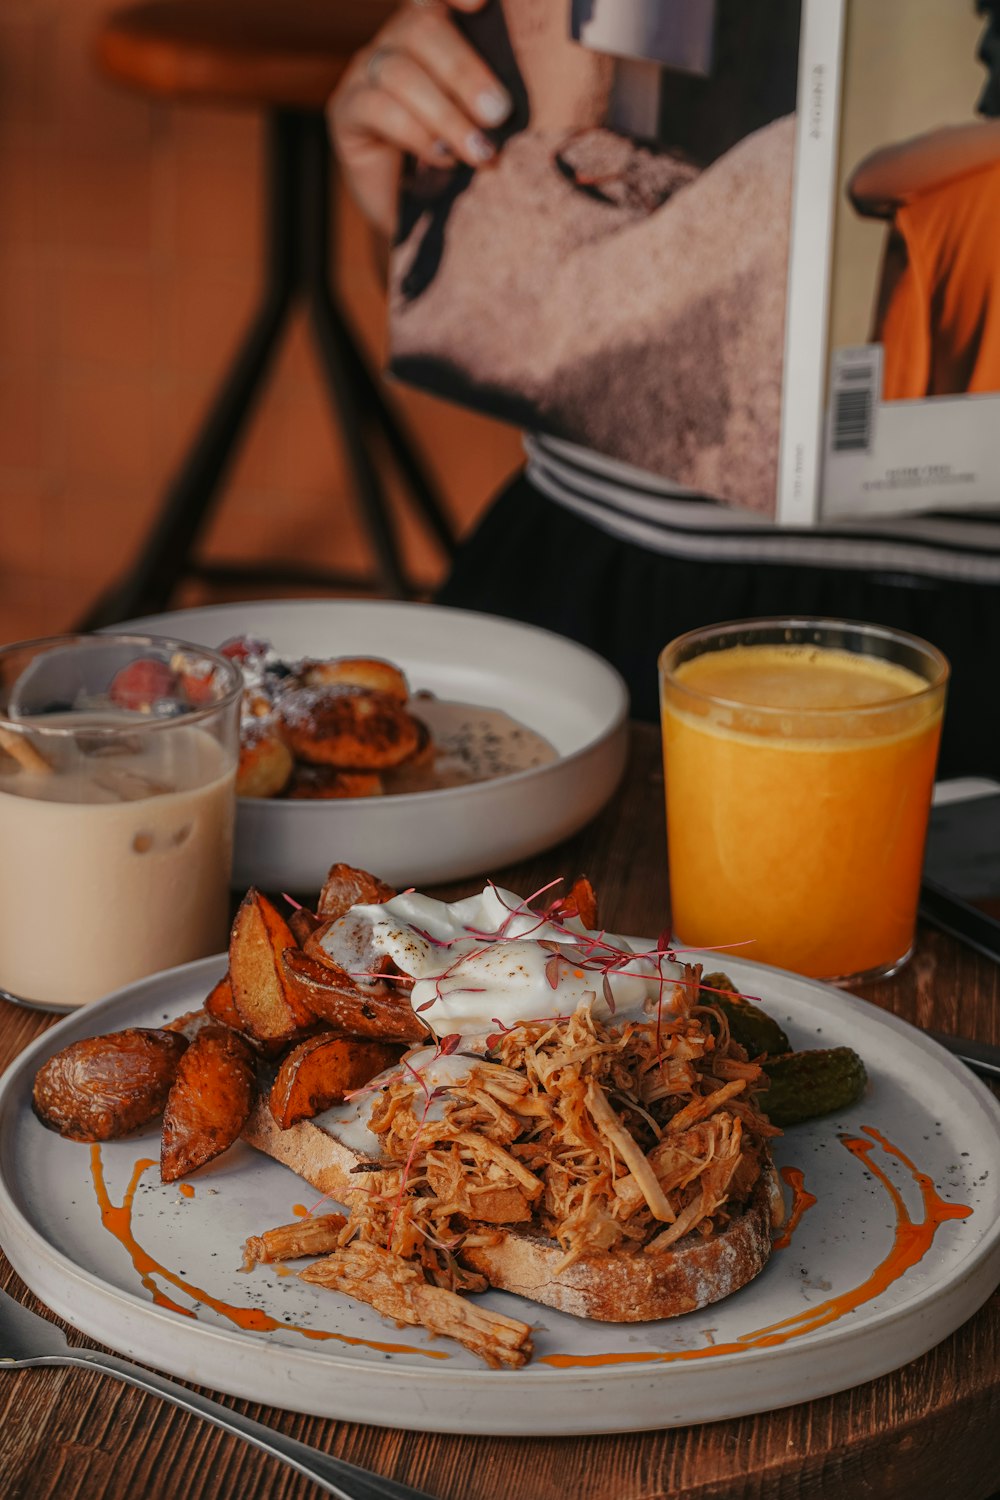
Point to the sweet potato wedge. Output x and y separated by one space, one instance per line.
321 1070
376 1012
303 923
347 949
190 1023
312 944
220 1009
103 1087
220 1004
345 887
579 901
209 1102
267 1010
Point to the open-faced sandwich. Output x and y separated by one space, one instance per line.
499 1093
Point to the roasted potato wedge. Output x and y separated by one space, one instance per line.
209 1103
312 944
268 1010
220 1009
345 887
579 901
103 1087
320 1071
303 923
348 950
376 1013
190 1023
220 1004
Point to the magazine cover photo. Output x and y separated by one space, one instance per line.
619 276
915 319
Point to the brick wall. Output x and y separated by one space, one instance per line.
129 260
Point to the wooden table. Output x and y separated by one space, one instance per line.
925 1432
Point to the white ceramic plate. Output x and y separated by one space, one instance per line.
556 687
587 1377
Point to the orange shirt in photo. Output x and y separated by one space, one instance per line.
940 319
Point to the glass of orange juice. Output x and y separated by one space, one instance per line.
799 760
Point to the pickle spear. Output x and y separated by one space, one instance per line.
752 1027
802 1085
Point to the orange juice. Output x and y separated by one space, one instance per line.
798 781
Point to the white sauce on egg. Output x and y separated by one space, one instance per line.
488 963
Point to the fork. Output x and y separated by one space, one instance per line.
27 1340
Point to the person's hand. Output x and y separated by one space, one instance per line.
419 88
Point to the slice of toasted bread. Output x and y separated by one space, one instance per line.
631 1286
621 1286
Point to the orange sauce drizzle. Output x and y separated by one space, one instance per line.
802 1201
185 1189
300 1211
911 1241
117 1220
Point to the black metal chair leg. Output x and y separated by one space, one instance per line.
167 551
154 575
422 492
368 486
297 264
334 357
368 395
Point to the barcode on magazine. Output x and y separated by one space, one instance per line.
856 389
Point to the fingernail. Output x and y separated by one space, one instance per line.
478 146
493 106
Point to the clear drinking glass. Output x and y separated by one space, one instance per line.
799 759
118 758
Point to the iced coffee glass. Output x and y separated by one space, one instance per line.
799 760
118 758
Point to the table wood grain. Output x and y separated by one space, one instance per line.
929 1430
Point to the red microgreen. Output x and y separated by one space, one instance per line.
375 1086
718 947
418 1075
445 1046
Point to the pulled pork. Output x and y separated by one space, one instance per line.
600 1136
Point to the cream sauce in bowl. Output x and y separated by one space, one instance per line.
470 744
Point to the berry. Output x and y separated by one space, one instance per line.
198 687
242 647
140 684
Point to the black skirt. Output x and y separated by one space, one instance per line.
529 559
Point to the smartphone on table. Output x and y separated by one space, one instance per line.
961 883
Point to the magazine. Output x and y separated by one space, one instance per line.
644 270
913 398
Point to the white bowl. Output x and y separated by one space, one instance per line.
560 689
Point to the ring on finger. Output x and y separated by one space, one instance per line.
376 62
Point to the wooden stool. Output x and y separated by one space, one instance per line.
285 57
